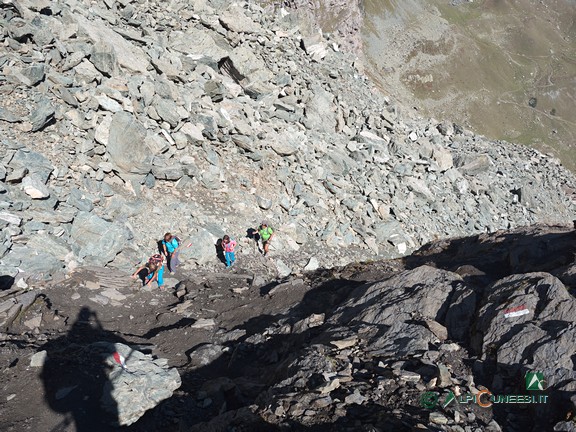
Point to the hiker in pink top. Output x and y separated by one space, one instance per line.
228 245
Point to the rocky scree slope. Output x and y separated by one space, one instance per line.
126 119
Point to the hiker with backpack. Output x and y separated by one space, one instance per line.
154 271
228 245
266 233
170 246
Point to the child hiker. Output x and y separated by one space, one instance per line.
170 246
154 271
266 233
228 245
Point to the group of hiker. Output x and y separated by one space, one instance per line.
169 248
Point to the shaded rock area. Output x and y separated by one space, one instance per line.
133 119
369 346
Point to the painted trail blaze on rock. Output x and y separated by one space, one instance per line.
516 311
118 358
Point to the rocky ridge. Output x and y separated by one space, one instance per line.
136 118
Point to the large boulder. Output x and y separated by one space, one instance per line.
138 386
424 291
34 162
197 45
320 113
539 298
248 70
96 240
235 20
128 55
126 144
202 248
527 321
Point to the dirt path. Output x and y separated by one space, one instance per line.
101 304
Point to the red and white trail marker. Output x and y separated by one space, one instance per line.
516 311
118 358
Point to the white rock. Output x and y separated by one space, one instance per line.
38 359
35 188
283 269
204 323
312 264
103 130
10 218
108 104
113 294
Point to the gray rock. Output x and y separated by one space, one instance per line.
320 111
202 249
312 264
42 115
108 104
419 188
547 300
198 45
50 245
193 132
402 339
385 303
17 175
173 173
235 20
34 263
85 73
215 90
8 116
244 142
264 203
129 56
283 269
443 158
565 426
438 418
473 164
244 67
315 47
355 398
79 200
287 142
38 359
444 376
31 75
126 144
167 110
103 57
89 243
33 163
206 354
34 187
10 218
138 386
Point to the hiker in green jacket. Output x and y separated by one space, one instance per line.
266 233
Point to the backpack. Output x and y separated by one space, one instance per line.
157 259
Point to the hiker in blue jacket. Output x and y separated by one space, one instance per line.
170 246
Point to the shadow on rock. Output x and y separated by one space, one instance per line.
75 375
6 282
